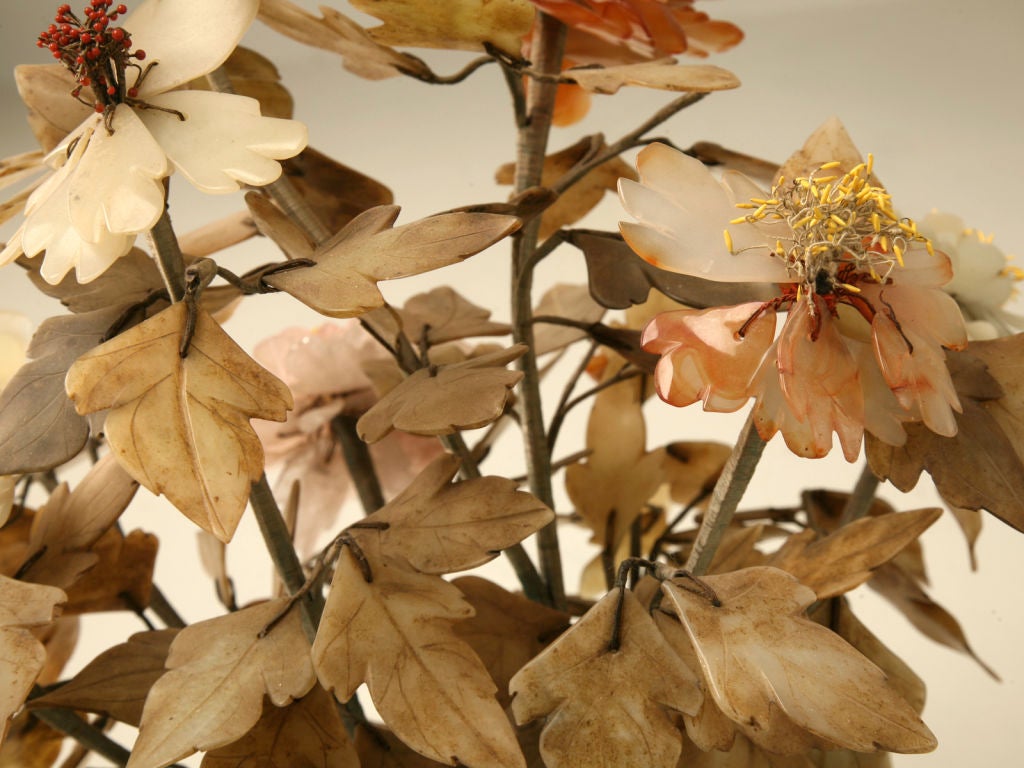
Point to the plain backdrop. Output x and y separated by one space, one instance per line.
931 87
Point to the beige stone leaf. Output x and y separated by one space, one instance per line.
52 112
775 673
218 673
440 527
117 681
692 468
611 486
30 744
213 554
122 579
343 281
442 400
742 754
507 629
335 32
395 634
307 733
970 522
130 279
455 24
180 426
442 315
607 705
569 301
254 75
279 226
829 142
39 428
585 194
379 748
214 237
846 559
598 575
664 74
22 656
60 638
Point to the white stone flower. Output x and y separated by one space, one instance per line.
983 282
108 183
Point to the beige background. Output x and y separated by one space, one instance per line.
931 87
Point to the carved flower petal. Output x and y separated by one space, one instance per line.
704 358
186 38
223 141
922 268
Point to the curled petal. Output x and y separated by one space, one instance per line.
186 39
922 268
682 212
704 357
223 141
819 379
916 372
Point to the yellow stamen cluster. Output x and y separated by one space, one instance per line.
834 220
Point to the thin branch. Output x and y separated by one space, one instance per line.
164 610
726 497
625 374
168 256
359 462
67 722
570 386
861 497
432 78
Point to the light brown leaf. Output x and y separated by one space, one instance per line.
569 301
292 239
22 656
665 74
121 580
692 468
30 744
507 630
307 733
52 112
60 638
39 428
180 426
212 238
442 400
130 279
607 704
777 675
830 142
846 559
577 201
455 24
970 524
117 681
440 527
379 748
254 75
213 557
218 673
343 281
930 618
335 32
742 754
442 315
394 633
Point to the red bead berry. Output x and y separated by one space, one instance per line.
92 54
117 34
111 91
86 38
53 46
133 92
56 54
122 8
140 55
98 107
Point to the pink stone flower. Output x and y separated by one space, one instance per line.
866 321
324 368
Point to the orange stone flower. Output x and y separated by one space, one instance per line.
866 321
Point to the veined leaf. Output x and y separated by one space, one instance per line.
664 74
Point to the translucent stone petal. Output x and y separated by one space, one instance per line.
928 312
186 38
930 270
223 142
117 186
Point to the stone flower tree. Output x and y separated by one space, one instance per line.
370 450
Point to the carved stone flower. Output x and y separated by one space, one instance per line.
108 183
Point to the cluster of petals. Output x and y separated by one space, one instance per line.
108 182
324 368
860 348
983 280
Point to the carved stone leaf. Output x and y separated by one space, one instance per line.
335 32
507 629
455 24
577 201
618 278
279 226
180 426
128 280
395 634
51 114
254 75
846 559
22 656
829 142
117 681
30 744
930 618
442 400
569 301
379 748
774 672
343 281
121 580
665 74
604 705
39 428
692 468
442 315
307 733
218 673
214 237
441 527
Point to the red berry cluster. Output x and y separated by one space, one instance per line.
97 53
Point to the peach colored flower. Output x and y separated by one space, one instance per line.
323 368
862 343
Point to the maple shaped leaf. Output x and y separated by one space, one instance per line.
441 527
605 705
22 605
343 280
180 425
218 673
663 74
787 683
392 630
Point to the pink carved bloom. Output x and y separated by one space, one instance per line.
866 321
324 368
